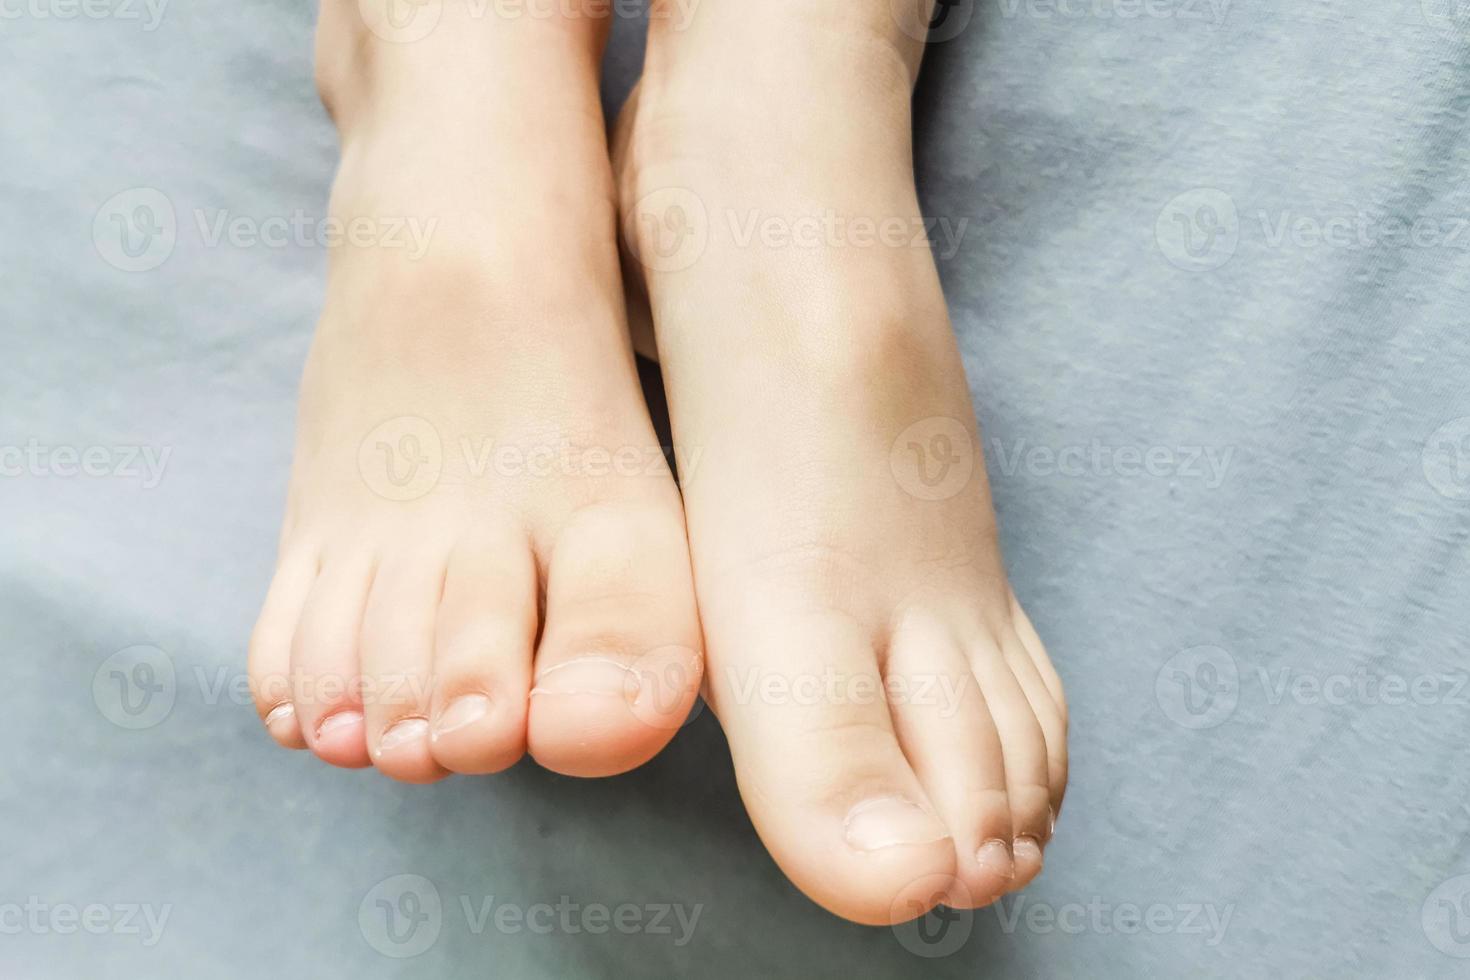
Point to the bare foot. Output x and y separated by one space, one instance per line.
483 550
898 732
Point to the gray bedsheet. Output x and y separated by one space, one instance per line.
1211 289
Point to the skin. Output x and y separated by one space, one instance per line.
897 730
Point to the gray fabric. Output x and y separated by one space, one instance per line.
1253 793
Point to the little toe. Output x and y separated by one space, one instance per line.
269 658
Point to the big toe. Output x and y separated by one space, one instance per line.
619 664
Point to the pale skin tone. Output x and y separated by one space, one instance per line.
482 557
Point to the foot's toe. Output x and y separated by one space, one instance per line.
482 662
619 665
822 772
1024 748
270 648
324 662
397 651
950 738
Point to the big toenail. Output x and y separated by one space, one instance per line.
891 821
994 856
1028 848
462 711
342 719
403 732
588 675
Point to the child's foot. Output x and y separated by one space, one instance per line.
483 550
898 732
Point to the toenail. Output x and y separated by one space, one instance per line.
342 719
462 711
994 856
280 713
403 732
1028 848
891 821
588 675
